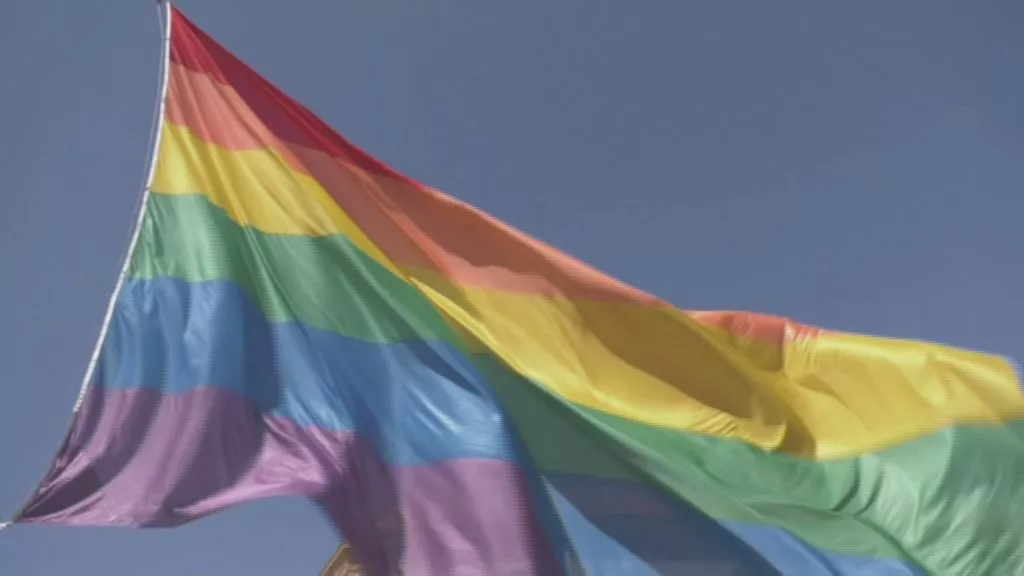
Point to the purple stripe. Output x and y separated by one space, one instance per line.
140 458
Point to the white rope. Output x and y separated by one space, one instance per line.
155 134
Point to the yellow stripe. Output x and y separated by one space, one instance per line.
857 392
826 397
256 188
834 396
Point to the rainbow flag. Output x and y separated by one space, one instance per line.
296 318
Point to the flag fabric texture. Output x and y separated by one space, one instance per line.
300 319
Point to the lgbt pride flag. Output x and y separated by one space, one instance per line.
298 319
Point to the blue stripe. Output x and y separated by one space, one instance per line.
620 527
423 402
418 402
792 556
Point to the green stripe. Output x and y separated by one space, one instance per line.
291 277
947 501
950 501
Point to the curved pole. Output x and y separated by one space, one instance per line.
156 132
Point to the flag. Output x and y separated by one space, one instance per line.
297 318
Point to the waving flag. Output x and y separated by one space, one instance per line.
296 318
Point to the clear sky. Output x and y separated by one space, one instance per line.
858 166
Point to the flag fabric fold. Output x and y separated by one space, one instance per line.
299 319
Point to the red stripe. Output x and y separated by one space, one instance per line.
415 226
283 115
224 102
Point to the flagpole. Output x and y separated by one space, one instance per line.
155 135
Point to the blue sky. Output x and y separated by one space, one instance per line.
857 166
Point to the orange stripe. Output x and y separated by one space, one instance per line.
570 327
202 97
404 220
216 114
284 116
415 226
